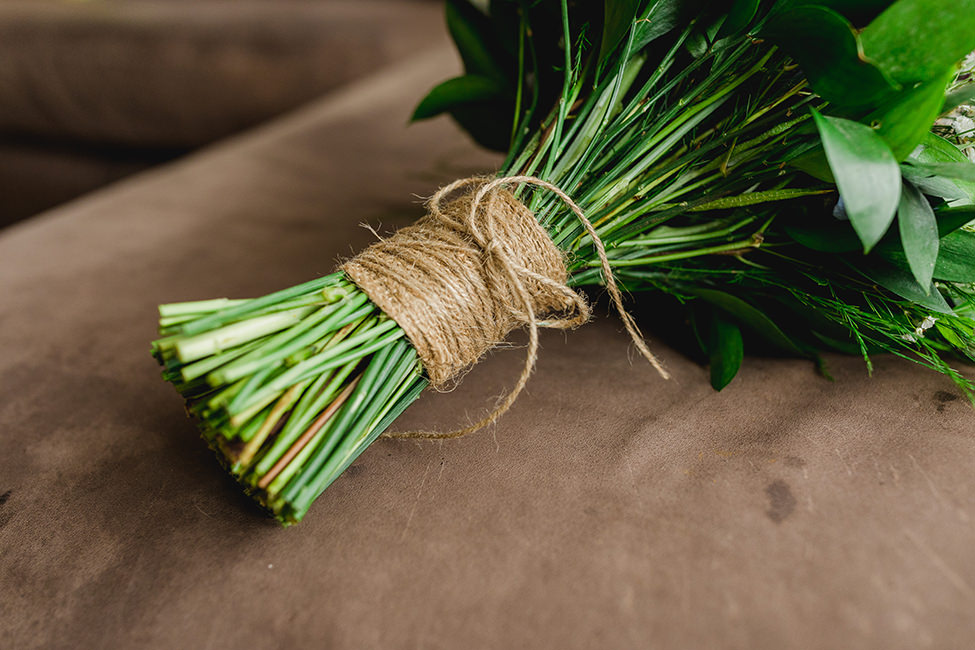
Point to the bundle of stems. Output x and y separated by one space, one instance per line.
749 161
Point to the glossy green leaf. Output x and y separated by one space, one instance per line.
905 119
455 92
748 315
859 12
725 350
957 97
919 233
951 219
950 336
704 40
935 149
617 20
815 164
475 39
917 40
956 260
866 173
825 45
934 185
900 282
739 16
662 17
962 171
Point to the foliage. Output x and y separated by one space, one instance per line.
718 147
768 165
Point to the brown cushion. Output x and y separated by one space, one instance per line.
608 509
174 74
37 176
90 92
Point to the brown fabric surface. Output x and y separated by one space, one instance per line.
164 74
35 177
608 509
93 91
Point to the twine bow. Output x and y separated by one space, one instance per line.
472 270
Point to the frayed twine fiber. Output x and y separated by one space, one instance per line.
472 270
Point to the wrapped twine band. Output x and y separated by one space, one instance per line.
460 279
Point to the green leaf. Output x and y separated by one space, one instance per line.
617 20
919 233
662 17
951 219
917 40
725 350
934 185
815 164
866 173
905 119
902 283
956 261
752 317
825 45
475 39
957 97
739 17
962 171
859 12
455 92
935 149
703 40
950 336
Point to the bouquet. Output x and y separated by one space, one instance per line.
768 168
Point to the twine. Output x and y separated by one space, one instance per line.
472 270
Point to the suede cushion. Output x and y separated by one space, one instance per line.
608 509
90 92
173 74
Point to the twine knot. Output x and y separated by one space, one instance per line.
460 279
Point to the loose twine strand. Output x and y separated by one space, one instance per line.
472 270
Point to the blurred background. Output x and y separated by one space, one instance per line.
92 91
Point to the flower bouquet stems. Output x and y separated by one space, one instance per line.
768 165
